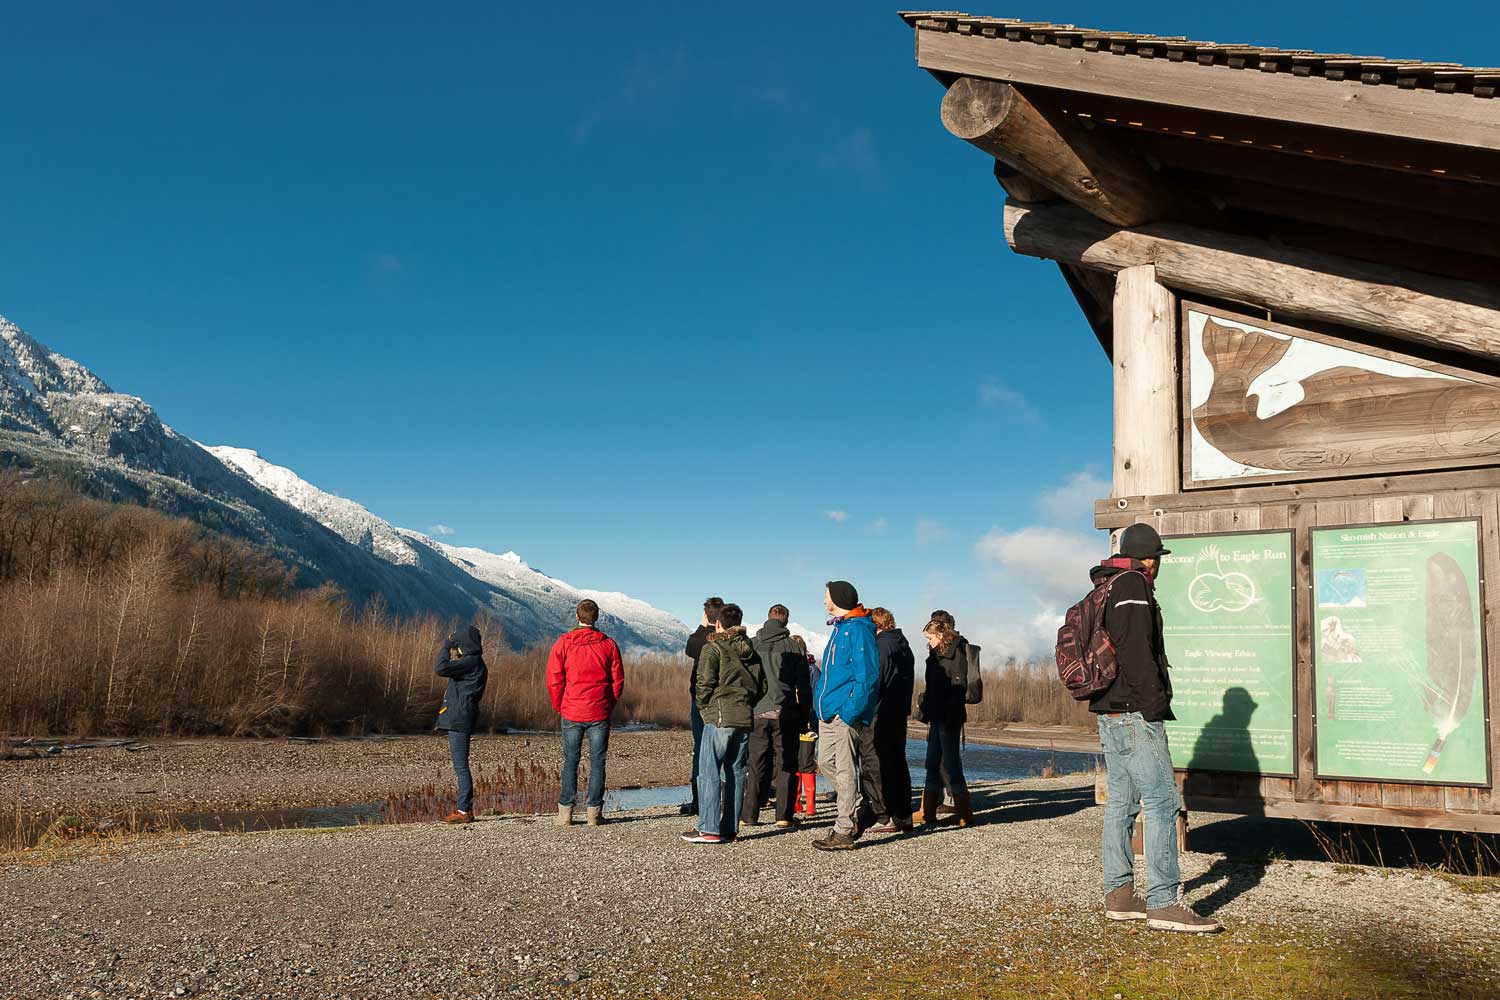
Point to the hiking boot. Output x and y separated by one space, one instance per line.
458 816
564 816
1180 918
902 824
835 841
930 802
596 815
1123 904
696 836
688 809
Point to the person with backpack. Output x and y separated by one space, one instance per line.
777 726
461 661
844 701
585 678
1115 656
705 630
885 779
731 682
944 707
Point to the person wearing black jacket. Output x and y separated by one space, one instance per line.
885 778
780 715
461 660
943 708
1138 763
705 630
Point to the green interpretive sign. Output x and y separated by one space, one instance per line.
1226 604
1399 653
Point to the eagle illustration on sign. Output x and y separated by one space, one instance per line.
1264 403
1212 589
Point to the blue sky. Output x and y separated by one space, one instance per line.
669 299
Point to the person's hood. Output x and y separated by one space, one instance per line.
892 637
773 630
858 613
467 639
734 639
584 635
1114 566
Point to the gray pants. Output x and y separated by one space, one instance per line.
838 761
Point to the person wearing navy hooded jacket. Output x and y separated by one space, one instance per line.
844 701
461 660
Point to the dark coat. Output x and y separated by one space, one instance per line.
947 682
898 668
467 676
730 680
695 653
788 687
1133 619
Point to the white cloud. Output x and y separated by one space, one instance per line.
995 394
879 525
929 531
1053 562
1026 639
1074 500
440 529
837 516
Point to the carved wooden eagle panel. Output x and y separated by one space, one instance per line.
1270 404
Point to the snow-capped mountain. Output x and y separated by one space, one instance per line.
58 417
634 623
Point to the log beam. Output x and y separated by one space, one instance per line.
1080 164
1145 358
1022 187
1393 302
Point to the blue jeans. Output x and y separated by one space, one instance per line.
458 749
572 734
1140 778
945 757
695 717
721 779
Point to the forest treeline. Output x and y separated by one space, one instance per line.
118 619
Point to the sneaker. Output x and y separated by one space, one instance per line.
903 824
696 836
1123 904
835 842
785 824
459 816
882 825
1180 918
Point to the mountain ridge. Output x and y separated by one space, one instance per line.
59 417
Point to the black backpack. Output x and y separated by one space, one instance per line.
973 678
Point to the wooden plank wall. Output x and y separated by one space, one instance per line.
1408 800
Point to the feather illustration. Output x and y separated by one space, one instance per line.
1452 652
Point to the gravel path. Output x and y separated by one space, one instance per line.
515 907
187 775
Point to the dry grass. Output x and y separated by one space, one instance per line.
115 619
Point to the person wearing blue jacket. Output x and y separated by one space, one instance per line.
461 660
844 701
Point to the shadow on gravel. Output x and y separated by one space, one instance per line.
1239 877
996 806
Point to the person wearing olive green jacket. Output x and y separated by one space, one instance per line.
730 682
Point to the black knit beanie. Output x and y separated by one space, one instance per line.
843 594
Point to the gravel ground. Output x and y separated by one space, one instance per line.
515 907
187 775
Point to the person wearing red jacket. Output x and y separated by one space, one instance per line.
585 677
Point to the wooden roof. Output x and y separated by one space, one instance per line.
1406 74
1390 161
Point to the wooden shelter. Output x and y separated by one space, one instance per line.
1292 260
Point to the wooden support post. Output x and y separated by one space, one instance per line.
1438 312
1044 145
1145 353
